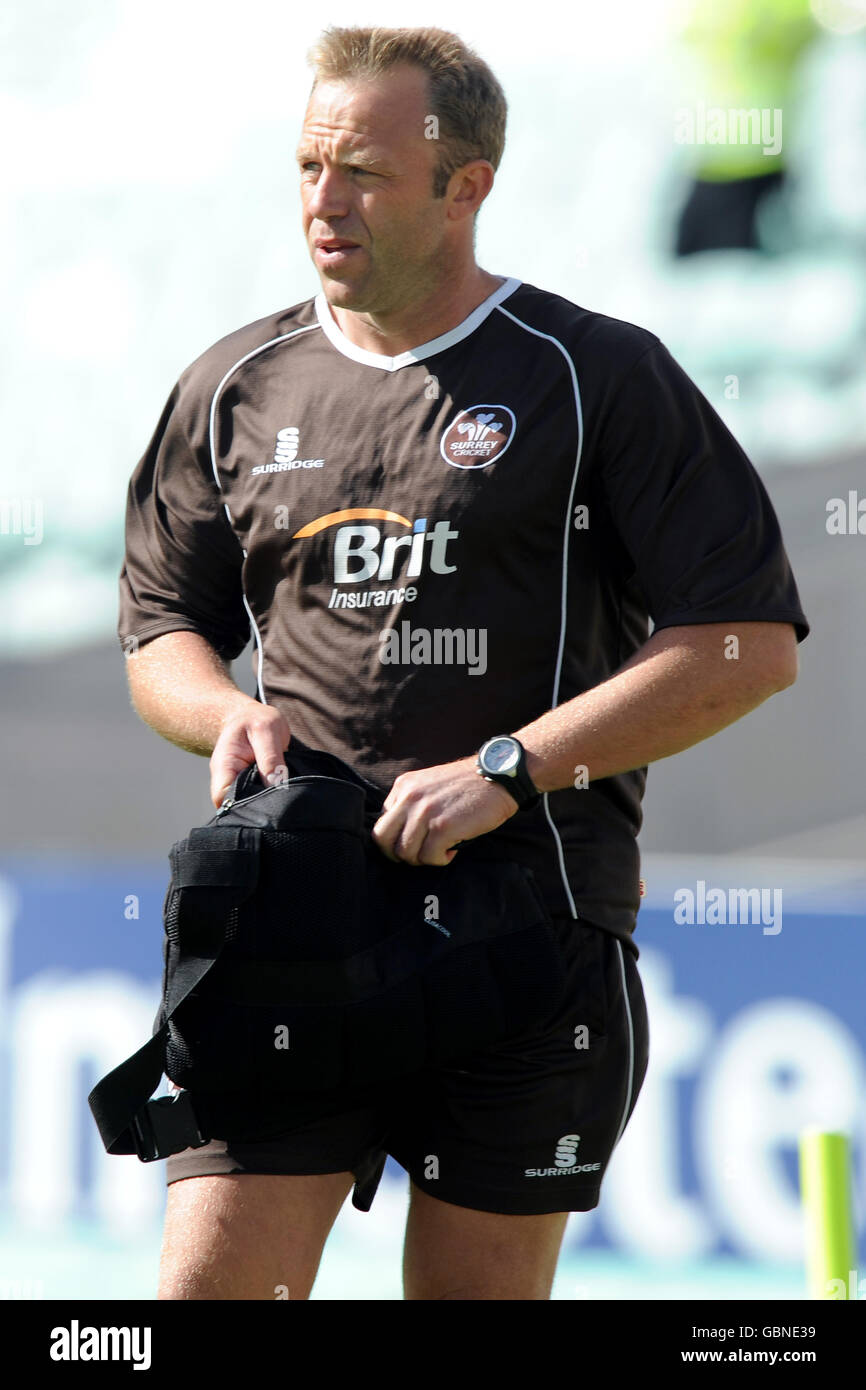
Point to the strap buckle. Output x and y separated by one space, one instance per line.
166 1126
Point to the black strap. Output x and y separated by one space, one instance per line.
217 858
213 868
130 1123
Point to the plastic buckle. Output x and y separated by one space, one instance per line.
166 1126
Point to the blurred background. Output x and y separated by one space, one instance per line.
694 168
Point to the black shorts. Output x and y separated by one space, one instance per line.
523 1127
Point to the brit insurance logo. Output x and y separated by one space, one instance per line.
478 435
363 552
286 450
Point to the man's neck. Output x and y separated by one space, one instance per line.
446 307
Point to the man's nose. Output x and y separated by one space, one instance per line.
329 196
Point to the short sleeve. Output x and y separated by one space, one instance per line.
690 507
182 564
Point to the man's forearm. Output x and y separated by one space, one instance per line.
679 689
182 688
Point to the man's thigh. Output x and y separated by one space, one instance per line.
456 1253
247 1218
248 1235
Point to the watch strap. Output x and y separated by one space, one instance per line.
518 783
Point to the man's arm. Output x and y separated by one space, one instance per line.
677 690
182 688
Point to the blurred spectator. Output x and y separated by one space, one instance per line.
746 55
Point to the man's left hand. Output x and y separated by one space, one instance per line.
428 812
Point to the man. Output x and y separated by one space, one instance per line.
446 503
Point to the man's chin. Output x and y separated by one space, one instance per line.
342 294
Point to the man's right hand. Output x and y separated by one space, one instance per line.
259 734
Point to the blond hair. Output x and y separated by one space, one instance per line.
465 97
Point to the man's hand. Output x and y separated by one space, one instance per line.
257 733
428 812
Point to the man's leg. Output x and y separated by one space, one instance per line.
248 1235
454 1252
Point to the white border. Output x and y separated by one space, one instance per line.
630 1045
284 338
338 339
564 595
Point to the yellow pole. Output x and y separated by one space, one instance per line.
825 1187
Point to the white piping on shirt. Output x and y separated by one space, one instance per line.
284 337
564 596
630 1046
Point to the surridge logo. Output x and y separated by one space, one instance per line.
566 1150
565 1160
478 435
286 450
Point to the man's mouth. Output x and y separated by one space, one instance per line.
333 252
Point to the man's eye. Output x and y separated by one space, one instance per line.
312 164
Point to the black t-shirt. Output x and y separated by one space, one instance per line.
438 547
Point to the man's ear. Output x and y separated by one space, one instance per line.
468 187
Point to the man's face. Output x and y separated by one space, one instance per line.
377 236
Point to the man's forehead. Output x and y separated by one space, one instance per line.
358 111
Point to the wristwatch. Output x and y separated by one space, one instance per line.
503 759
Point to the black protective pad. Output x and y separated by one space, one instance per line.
299 959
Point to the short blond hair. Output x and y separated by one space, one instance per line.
465 97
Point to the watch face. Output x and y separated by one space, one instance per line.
501 755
